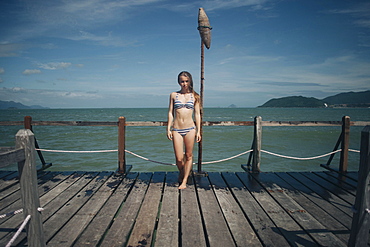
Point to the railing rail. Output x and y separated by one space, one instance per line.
164 123
255 155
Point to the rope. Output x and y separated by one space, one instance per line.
210 28
141 157
232 157
296 158
203 163
19 231
11 213
64 151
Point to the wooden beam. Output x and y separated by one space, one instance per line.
25 139
164 123
257 144
343 163
10 155
121 145
361 217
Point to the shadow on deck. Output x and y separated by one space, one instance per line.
221 209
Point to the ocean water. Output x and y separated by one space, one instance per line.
218 142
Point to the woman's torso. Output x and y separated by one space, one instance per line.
183 105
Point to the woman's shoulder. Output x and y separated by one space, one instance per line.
173 94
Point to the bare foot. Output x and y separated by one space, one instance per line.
182 186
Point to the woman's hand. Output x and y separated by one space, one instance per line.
199 137
169 135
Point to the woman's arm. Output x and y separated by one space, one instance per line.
197 120
170 118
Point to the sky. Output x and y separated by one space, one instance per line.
128 53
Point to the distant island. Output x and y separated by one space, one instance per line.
350 99
4 105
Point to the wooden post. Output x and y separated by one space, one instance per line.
200 144
28 125
361 217
257 144
29 192
343 163
28 122
121 145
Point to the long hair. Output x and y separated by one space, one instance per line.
188 75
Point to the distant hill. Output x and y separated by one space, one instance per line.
350 99
16 105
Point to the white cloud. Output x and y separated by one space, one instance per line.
54 65
2 71
31 71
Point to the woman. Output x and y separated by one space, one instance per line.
183 132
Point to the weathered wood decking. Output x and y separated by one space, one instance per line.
221 209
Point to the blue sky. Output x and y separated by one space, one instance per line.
95 53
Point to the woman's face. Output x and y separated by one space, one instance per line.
184 82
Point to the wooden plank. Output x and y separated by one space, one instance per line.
214 221
104 218
3 174
329 215
333 188
352 175
85 214
301 123
68 210
142 233
9 181
313 227
168 224
338 180
59 196
192 232
240 228
14 221
262 224
334 200
343 178
118 233
294 234
13 202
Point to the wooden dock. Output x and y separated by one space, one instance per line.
221 209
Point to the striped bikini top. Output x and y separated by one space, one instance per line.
188 105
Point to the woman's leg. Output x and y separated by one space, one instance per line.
178 146
189 139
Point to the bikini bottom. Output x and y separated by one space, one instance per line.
183 132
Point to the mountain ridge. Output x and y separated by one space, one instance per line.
346 99
16 105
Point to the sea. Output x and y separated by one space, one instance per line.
219 142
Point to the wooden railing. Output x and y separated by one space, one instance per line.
24 155
361 216
255 156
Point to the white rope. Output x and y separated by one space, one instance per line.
19 231
296 158
141 157
11 213
232 157
203 163
64 151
